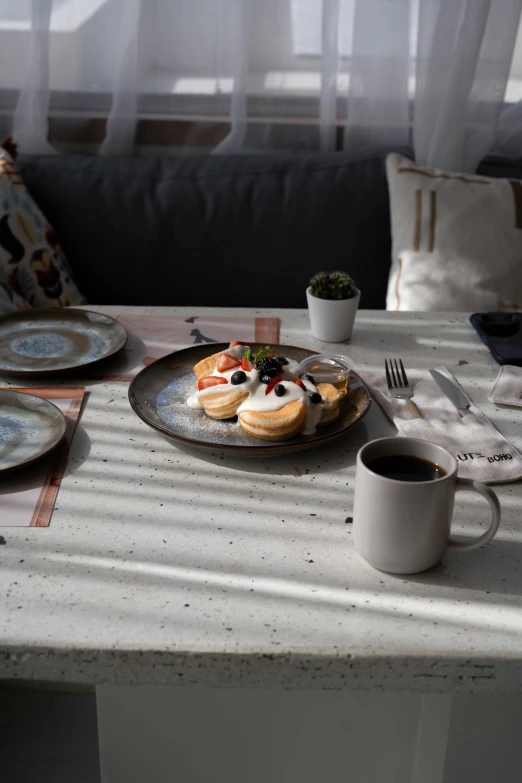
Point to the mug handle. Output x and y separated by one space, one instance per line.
477 486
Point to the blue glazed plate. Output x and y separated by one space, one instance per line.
29 429
44 342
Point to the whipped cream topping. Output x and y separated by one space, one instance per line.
257 399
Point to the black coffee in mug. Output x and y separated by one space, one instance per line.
403 467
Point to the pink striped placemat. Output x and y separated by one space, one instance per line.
153 336
28 495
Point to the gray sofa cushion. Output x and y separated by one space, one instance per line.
231 230
234 230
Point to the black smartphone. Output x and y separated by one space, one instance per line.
502 333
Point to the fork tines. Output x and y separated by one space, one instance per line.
395 374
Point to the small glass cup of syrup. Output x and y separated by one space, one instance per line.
328 367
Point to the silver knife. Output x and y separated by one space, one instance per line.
452 392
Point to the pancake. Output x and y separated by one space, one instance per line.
329 415
223 405
331 396
342 387
275 425
206 366
272 425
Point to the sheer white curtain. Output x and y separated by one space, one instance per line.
121 122
440 75
377 98
464 53
30 119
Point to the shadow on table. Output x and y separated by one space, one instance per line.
79 450
321 458
33 475
495 568
375 337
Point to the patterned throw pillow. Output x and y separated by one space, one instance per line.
10 301
32 263
456 240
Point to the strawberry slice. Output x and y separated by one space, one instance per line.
236 342
210 380
226 362
246 364
300 384
273 383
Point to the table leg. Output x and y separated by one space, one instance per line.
432 738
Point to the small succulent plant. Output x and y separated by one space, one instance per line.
333 285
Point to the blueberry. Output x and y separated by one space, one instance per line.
266 379
281 359
309 378
315 397
280 390
238 377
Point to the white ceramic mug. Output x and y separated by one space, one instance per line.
403 527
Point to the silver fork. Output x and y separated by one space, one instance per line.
398 385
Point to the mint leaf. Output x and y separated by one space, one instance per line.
262 352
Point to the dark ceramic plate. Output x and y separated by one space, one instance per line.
29 428
41 342
158 395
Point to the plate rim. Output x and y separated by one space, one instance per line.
264 447
51 448
49 312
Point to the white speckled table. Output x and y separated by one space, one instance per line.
169 567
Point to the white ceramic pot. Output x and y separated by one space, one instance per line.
331 320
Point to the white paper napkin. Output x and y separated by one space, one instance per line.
481 451
507 389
